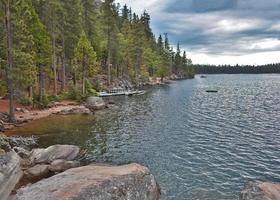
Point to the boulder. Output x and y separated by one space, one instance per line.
96 182
63 165
2 151
38 171
260 191
23 153
27 143
10 173
2 126
23 110
95 103
52 153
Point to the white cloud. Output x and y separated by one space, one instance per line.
249 59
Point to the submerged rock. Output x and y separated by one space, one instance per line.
131 181
260 191
95 103
52 153
76 110
10 173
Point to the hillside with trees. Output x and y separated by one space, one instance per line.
57 49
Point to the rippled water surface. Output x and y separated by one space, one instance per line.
198 145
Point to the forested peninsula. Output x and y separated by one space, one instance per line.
238 69
66 49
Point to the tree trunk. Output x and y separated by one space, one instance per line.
138 64
84 78
30 88
63 60
9 67
54 60
41 83
109 56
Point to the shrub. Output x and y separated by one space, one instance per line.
4 142
25 101
3 88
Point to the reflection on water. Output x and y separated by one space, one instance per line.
199 145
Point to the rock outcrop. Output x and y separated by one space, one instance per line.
10 173
95 103
55 152
260 191
96 182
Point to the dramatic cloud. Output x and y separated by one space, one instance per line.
219 31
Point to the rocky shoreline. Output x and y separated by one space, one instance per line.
56 173
29 172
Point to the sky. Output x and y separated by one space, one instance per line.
218 31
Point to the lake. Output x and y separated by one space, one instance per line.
199 145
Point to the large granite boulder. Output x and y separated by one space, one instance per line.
96 182
95 103
10 173
260 191
55 152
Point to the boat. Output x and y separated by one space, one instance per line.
212 91
203 76
120 92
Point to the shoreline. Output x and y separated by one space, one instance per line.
25 116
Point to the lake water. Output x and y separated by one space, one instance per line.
199 145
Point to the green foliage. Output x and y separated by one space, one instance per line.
26 101
4 142
73 93
90 89
3 88
78 38
24 71
84 58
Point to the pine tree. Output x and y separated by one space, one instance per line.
166 42
84 64
178 59
109 22
24 74
160 43
6 5
42 48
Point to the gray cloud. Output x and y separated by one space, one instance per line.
224 27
